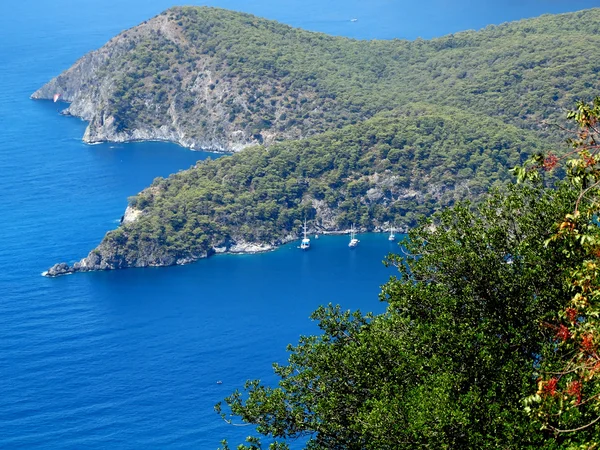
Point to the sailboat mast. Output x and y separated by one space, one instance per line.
305 244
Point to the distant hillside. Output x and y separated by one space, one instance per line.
215 79
387 170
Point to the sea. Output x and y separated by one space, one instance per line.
137 358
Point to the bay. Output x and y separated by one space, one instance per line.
131 359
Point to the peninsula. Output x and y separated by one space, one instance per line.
334 129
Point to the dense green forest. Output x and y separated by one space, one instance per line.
522 71
388 170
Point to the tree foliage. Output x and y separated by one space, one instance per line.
449 362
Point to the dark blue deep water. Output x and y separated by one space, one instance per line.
130 359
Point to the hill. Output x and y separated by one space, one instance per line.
368 132
386 170
220 80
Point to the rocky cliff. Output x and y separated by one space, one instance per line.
108 256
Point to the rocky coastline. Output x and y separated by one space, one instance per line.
107 257
94 262
95 134
102 258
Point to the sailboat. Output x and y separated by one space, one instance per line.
305 244
353 241
392 236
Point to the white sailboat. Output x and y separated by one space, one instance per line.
305 244
392 236
353 241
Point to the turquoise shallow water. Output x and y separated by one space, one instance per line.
130 359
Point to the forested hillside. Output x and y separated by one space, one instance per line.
216 79
386 171
375 133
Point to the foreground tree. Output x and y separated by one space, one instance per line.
449 362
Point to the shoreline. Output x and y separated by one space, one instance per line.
62 269
153 134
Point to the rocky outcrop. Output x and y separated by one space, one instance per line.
131 215
59 269
89 87
249 247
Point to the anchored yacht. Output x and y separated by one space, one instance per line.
353 241
305 244
392 236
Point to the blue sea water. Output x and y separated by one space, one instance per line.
130 359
